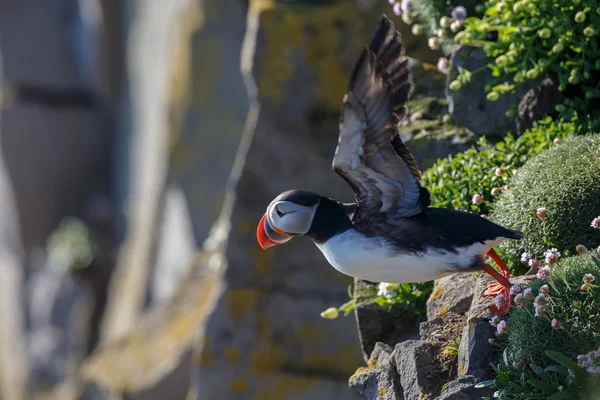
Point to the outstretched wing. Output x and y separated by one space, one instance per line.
370 155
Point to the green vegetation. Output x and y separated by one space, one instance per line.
577 326
565 181
528 39
453 181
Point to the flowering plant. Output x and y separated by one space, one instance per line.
527 39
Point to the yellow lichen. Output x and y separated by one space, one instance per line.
381 392
267 359
462 369
239 385
240 302
284 387
287 40
205 359
358 372
471 328
340 360
307 332
232 353
444 309
437 293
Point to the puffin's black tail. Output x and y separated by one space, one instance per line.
512 234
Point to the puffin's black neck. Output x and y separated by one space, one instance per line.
330 219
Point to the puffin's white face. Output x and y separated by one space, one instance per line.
284 220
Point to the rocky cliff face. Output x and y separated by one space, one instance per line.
450 355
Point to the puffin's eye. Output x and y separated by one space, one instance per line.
281 214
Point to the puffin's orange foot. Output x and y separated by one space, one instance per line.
503 300
502 304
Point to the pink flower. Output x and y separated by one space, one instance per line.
540 300
477 198
545 290
541 213
459 13
534 263
588 278
544 272
443 65
556 324
519 300
585 287
581 249
528 294
500 171
397 9
551 256
496 191
514 289
494 321
596 223
500 301
502 328
571 373
540 311
406 6
525 257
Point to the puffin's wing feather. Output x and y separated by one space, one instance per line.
370 155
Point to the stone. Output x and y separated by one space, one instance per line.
213 109
143 157
469 106
452 293
475 350
379 379
376 324
464 389
265 337
59 309
538 103
416 364
444 328
425 133
154 361
175 247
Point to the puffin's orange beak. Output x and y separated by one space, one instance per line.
269 236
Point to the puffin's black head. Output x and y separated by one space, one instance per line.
290 214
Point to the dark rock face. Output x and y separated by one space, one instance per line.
464 389
376 324
438 366
379 380
469 106
538 103
475 349
453 293
419 372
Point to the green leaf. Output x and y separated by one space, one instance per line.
540 372
563 360
546 387
484 384
560 395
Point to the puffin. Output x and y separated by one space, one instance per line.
390 233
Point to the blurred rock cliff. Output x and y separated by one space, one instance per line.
141 141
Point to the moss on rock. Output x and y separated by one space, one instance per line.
564 179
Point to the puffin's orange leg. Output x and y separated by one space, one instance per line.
503 268
502 287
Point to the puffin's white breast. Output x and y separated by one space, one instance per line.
373 259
